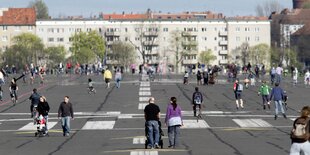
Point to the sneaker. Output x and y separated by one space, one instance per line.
264 107
275 117
67 135
284 116
237 108
156 146
268 106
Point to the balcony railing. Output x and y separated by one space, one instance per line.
224 42
189 43
112 33
223 52
150 43
191 33
223 62
150 33
223 33
151 52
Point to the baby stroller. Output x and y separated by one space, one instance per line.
41 127
161 133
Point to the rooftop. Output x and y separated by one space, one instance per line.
17 16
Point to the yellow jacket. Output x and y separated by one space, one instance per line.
107 74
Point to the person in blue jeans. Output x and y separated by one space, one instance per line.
277 94
152 115
65 111
118 78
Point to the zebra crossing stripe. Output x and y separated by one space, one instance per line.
293 119
191 124
251 123
145 84
144 153
124 116
145 89
142 106
30 126
139 140
144 93
141 99
98 125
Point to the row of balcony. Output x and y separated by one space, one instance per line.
155 33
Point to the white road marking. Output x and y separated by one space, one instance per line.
145 89
124 116
30 126
113 113
194 124
98 125
252 123
138 140
144 93
145 84
142 106
144 153
142 99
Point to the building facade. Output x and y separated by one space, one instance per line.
13 22
161 40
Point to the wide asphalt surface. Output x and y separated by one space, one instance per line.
111 121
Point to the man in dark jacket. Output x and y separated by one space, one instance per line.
35 99
277 95
65 111
152 115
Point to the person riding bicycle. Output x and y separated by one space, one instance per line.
35 99
13 90
197 100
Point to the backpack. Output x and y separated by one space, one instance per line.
240 87
301 129
197 98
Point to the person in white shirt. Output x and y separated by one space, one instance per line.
295 76
307 78
279 71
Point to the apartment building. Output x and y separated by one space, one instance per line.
14 21
161 38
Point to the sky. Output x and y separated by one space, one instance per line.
89 8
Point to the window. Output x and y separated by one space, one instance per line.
165 29
17 28
238 29
4 38
203 29
88 29
247 29
126 29
51 30
70 39
30 28
256 29
237 38
257 38
215 38
247 39
60 39
5 28
50 39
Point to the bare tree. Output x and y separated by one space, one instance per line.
147 35
268 7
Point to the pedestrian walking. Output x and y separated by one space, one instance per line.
174 121
43 109
107 76
295 76
65 111
307 78
277 95
197 100
185 78
118 78
300 133
264 90
238 88
13 91
35 99
199 77
272 75
152 116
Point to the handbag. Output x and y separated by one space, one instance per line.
174 121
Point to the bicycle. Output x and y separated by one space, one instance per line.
198 108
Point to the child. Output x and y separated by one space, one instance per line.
252 79
285 99
91 88
185 81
